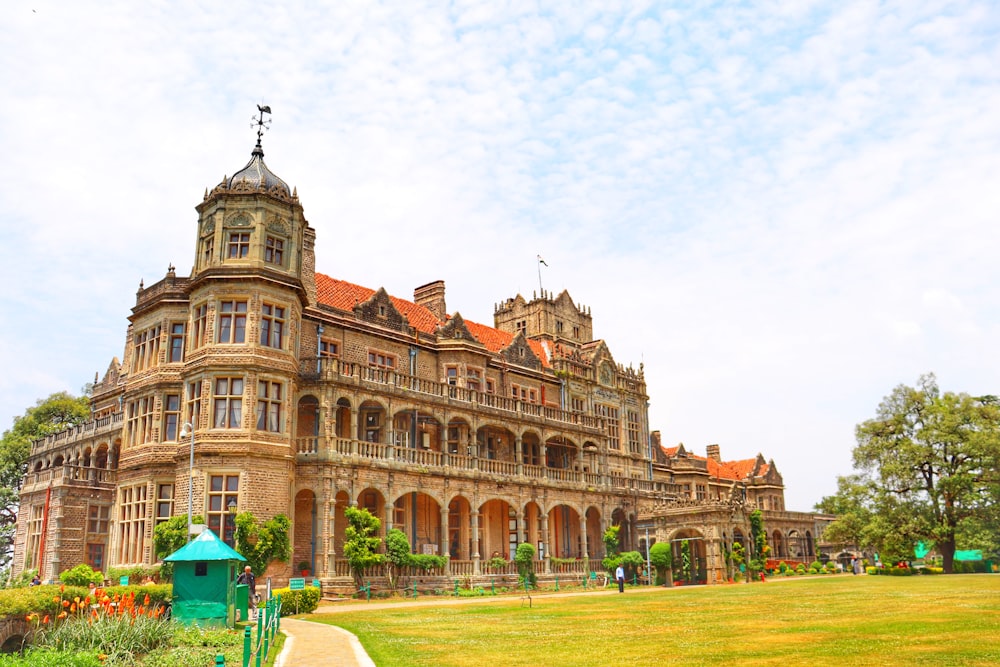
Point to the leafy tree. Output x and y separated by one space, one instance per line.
610 539
758 561
397 555
170 536
739 557
854 507
632 561
261 544
360 542
50 415
524 557
661 557
933 460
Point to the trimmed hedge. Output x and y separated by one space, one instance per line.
307 600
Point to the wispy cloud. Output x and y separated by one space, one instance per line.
781 209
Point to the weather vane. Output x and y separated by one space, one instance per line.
259 122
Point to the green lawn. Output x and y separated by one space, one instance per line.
835 620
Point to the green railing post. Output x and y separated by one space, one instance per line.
368 592
585 580
260 632
414 590
246 646
277 618
557 583
635 579
493 586
456 588
267 629
220 660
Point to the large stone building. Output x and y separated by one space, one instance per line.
257 384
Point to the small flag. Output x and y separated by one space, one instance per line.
541 261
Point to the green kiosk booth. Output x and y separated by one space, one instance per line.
205 582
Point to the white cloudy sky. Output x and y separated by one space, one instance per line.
783 209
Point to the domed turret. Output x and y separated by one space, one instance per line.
255 176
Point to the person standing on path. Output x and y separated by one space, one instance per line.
620 576
251 582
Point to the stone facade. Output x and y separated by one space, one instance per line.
304 394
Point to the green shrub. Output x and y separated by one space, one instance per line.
932 570
427 562
789 572
47 657
497 563
301 602
873 570
22 580
121 637
136 575
900 571
41 599
831 566
81 575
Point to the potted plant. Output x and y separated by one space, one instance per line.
304 568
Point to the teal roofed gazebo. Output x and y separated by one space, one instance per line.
205 581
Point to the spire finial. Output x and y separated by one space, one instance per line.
261 124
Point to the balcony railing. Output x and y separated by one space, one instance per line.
346 451
335 370
72 475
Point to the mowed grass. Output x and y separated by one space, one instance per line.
835 620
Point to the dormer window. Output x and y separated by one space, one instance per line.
239 245
381 311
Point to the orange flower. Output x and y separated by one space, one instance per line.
102 657
46 619
105 599
28 618
145 600
62 615
55 599
62 588
65 603
72 608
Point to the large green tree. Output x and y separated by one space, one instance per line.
932 459
49 415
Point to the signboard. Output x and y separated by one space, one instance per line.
297 583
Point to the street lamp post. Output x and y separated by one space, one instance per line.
231 511
187 430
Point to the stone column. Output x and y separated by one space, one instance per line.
519 454
444 536
583 537
545 541
324 532
475 542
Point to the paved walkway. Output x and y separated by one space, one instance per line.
309 644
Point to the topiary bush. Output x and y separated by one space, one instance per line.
301 602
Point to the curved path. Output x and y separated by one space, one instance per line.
310 644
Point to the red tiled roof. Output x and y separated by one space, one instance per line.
734 470
343 295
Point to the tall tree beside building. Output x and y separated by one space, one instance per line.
49 415
936 457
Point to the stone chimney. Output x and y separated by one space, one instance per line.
431 297
713 453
